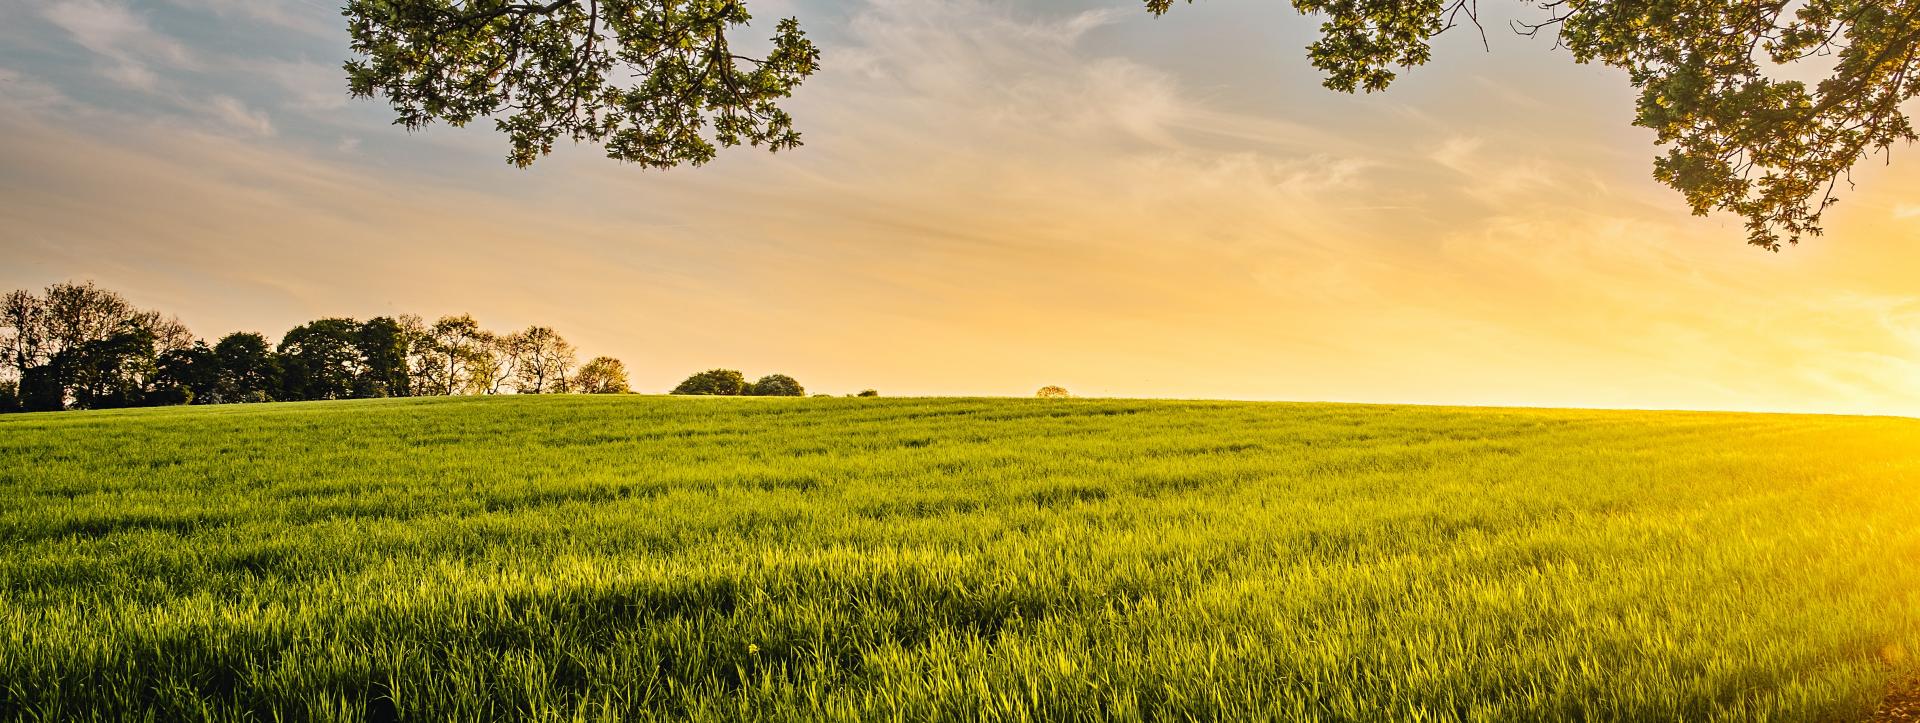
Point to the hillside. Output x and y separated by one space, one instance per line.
629 557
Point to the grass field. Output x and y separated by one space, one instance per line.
634 558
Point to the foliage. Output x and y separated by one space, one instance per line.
80 345
1052 392
1738 135
545 359
41 390
659 83
186 376
601 375
952 559
249 372
655 83
868 393
777 385
383 345
320 360
714 382
456 356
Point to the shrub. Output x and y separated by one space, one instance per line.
1053 392
777 385
714 382
868 393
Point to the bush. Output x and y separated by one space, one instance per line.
1053 392
714 382
777 385
9 396
868 393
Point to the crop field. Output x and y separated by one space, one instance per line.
643 558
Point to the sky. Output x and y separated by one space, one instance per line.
993 196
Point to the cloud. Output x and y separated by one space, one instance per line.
237 116
24 94
121 36
308 16
1906 211
308 86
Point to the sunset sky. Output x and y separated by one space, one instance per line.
993 196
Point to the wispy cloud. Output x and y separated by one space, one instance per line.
307 16
236 115
122 37
308 86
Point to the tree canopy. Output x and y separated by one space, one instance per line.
777 385
655 83
1737 137
601 375
714 382
658 83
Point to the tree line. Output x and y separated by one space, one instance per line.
78 346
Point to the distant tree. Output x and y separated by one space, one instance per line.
110 372
24 339
868 393
41 389
383 344
79 313
601 375
545 360
457 346
169 334
249 371
655 83
420 355
777 385
187 376
9 396
499 361
1053 392
83 335
320 360
714 382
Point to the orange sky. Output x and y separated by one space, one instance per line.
993 197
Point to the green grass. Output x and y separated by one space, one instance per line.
638 558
